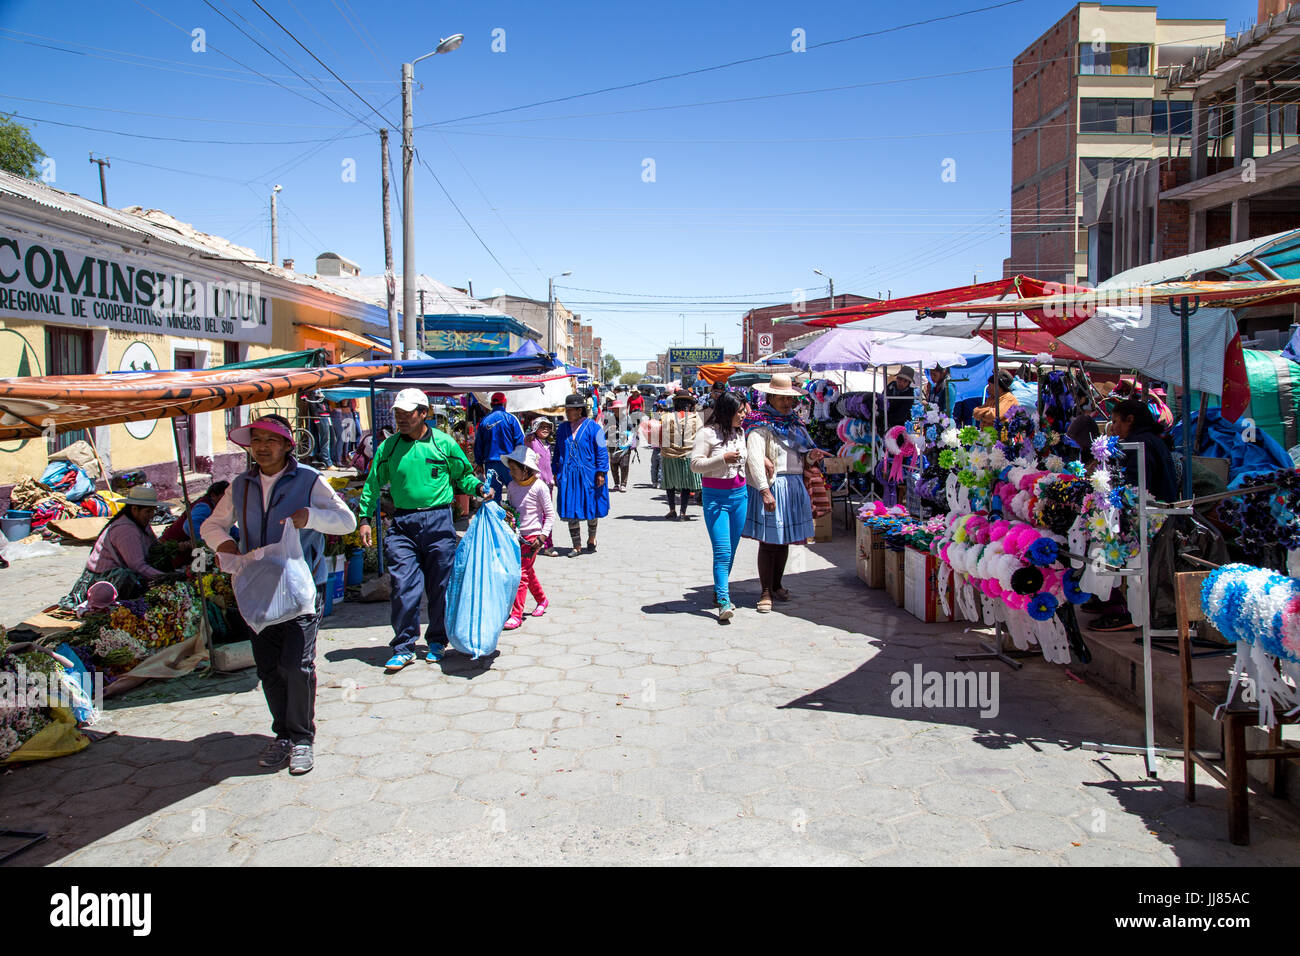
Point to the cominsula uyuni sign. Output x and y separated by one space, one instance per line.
60 285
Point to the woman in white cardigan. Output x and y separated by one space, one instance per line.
780 511
718 456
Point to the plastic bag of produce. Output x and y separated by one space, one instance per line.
484 580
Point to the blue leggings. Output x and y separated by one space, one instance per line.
724 516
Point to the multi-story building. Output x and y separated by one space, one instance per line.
758 324
1088 101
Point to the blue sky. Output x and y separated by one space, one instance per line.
747 197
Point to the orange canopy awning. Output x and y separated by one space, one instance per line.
67 402
342 335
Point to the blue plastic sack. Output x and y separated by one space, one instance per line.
484 581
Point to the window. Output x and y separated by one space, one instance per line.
68 352
1115 59
1173 117
1114 115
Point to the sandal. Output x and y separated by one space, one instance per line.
781 594
764 605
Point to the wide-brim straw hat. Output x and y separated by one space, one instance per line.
781 384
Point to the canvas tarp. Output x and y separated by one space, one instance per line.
1274 395
308 358
70 402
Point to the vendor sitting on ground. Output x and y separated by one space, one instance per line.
186 527
1000 400
120 551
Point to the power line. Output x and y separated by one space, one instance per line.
181 139
180 28
374 49
468 225
177 116
724 66
273 56
320 61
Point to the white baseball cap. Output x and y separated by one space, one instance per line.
409 399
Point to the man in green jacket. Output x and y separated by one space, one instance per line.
424 469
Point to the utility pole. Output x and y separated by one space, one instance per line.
275 226
103 183
390 280
706 333
408 211
408 188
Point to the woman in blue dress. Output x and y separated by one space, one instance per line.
580 464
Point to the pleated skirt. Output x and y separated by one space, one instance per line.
790 523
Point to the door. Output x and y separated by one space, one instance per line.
234 418
185 424
68 352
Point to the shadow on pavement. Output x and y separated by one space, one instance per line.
117 782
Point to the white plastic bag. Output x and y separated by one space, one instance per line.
274 584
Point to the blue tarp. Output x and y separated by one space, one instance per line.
1223 439
577 372
528 348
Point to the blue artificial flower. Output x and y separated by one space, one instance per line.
1043 552
931 434
1042 606
1070 586
1040 441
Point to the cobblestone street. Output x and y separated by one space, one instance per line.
629 727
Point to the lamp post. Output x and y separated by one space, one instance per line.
550 311
830 282
408 192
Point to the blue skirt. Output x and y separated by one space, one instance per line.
790 523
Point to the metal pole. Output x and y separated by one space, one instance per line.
550 315
103 183
374 453
831 283
275 228
390 280
997 414
1143 599
408 212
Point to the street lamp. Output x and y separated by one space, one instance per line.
275 225
408 191
830 282
550 311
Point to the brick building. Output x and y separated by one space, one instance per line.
1089 102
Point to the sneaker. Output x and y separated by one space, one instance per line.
1113 622
397 662
512 624
541 608
276 753
301 762
436 653
726 612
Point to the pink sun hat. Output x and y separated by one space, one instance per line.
243 435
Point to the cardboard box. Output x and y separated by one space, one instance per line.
822 528
836 466
921 587
893 561
871 556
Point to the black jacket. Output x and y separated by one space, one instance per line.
1161 476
